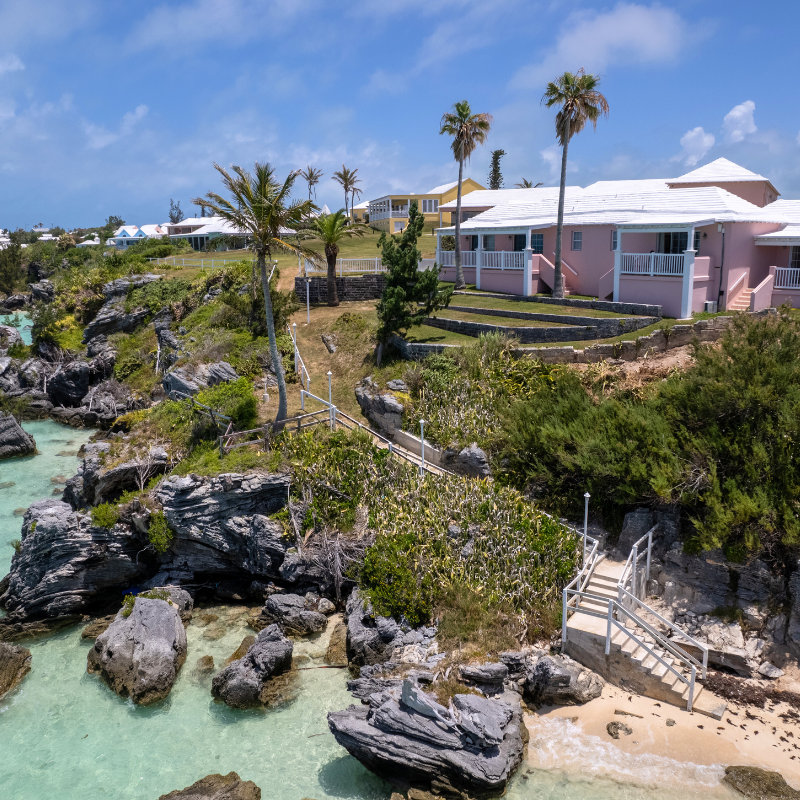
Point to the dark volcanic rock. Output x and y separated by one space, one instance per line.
139 656
293 613
190 380
121 286
13 440
242 683
407 737
488 676
15 663
65 563
69 384
759 784
113 318
43 290
217 787
9 335
558 680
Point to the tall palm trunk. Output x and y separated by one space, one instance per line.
275 356
460 282
331 252
558 276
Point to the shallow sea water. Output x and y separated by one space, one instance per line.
65 735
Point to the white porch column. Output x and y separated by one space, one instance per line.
478 260
688 281
439 250
527 279
617 265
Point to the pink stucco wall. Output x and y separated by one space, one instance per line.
663 291
449 274
496 280
782 296
757 192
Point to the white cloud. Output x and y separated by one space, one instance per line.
695 143
739 122
10 63
98 137
552 158
628 34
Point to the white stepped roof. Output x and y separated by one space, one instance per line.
486 198
788 210
790 235
363 204
627 186
719 170
681 206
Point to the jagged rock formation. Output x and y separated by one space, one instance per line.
243 682
139 656
43 290
381 408
217 787
15 664
13 440
372 639
191 380
295 614
9 336
471 461
113 317
558 680
405 736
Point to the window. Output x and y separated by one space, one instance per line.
675 242
519 242
537 242
794 260
430 206
488 242
473 242
577 240
614 240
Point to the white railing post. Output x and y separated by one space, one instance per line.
608 626
585 523
688 282
634 565
302 398
691 689
617 265
649 549
296 354
422 447
527 280
330 400
564 617
705 662
652 263
478 261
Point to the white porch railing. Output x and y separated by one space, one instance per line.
652 264
491 259
787 278
344 266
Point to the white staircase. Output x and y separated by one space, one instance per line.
609 628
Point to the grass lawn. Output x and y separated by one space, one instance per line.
426 334
503 322
481 301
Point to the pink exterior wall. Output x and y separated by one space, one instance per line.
449 274
782 296
496 280
662 291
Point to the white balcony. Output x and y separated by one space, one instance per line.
787 278
490 259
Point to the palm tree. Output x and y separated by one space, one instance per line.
579 102
311 176
260 205
468 131
331 229
347 179
527 184
354 192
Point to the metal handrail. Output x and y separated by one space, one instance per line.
683 654
299 364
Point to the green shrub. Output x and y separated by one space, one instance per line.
105 515
16 544
18 350
159 532
234 399
128 603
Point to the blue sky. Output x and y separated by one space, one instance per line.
109 107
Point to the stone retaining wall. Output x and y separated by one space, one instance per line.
606 326
350 287
645 309
570 333
705 330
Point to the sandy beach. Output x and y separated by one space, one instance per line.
667 743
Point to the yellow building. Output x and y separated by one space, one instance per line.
359 211
390 213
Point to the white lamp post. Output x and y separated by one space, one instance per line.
585 523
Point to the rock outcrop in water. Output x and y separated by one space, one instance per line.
15 664
13 440
402 734
139 655
759 784
293 613
243 683
222 538
217 787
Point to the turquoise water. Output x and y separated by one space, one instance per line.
24 325
65 735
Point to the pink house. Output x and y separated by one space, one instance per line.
714 237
